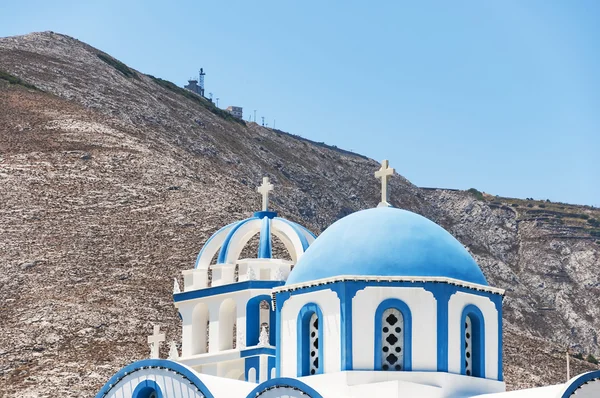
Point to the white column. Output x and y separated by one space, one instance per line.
264 368
187 333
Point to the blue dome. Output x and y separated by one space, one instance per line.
386 241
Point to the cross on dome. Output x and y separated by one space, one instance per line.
264 189
155 341
384 173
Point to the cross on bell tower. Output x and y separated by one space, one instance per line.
384 173
264 189
154 341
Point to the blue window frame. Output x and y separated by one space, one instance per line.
253 327
310 340
472 342
147 389
405 333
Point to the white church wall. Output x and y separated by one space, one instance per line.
457 303
423 307
329 304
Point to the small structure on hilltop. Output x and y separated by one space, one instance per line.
236 111
384 303
197 86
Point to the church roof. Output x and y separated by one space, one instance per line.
230 240
386 241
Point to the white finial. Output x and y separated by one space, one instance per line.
263 339
154 341
251 274
278 275
173 353
176 288
264 190
385 172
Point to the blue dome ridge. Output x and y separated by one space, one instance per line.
386 241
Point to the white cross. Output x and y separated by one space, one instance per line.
385 172
155 341
264 189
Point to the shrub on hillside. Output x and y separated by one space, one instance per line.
15 80
591 359
477 194
118 65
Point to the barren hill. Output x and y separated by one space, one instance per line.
111 180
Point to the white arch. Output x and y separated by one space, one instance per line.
240 238
212 246
227 321
283 228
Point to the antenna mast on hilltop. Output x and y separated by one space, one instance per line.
201 75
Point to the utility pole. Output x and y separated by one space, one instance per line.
217 102
255 116
274 124
263 120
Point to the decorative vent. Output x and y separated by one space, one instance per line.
392 340
314 344
468 346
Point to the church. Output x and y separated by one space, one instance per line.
384 303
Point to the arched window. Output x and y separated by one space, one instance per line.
393 338
259 314
147 389
472 342
227 325
200 329
310 340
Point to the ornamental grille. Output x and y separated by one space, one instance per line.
392 340
314 344
468 346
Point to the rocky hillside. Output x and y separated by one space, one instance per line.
111 180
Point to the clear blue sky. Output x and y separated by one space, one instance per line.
503 96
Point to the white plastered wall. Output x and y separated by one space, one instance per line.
214 305
457 303
423 307
329 304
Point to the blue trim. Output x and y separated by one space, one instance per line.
211 238
253 319
283 382
478 341
346 328
181 370
296 229
232 287
145 388
442 293
302 227
270 366
225 246
580 380
303 339
278 340
257 351
407 333
498 302
268 214
264 245
249 363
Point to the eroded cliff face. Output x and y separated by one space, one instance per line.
112 180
